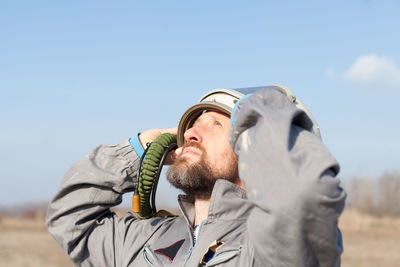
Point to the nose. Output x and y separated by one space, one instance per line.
192 135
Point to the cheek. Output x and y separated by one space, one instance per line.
220 158
218 150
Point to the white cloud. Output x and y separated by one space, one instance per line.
374 71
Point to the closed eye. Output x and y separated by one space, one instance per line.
217 123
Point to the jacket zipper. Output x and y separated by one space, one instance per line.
191 245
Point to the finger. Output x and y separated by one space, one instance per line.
178 151
172 155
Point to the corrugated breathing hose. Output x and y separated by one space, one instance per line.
151 162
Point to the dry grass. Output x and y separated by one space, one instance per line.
25 242
368 241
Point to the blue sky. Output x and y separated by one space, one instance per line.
75 74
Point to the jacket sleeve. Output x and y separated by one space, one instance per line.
290 178
79 216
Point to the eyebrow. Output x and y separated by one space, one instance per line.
199 119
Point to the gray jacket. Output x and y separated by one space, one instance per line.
287 216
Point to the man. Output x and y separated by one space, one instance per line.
260 190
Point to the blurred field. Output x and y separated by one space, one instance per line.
368 241
24 242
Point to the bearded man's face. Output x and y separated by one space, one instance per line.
206 157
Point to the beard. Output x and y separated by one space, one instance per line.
198 178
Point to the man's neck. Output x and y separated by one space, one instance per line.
201 210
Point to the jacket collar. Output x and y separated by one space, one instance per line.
228 201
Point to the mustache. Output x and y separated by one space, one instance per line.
180 159
194 145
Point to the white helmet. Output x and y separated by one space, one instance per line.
223 100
